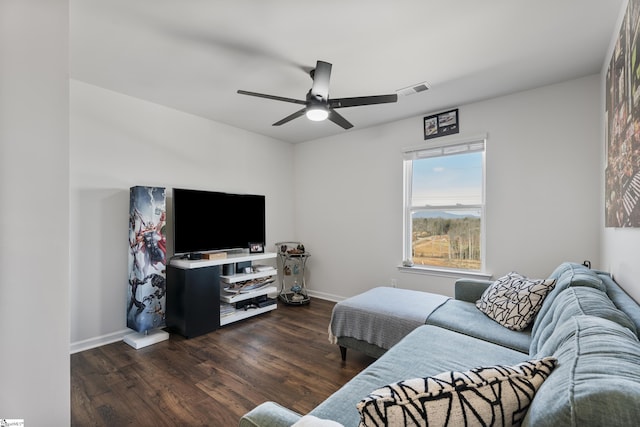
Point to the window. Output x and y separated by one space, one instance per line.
444 205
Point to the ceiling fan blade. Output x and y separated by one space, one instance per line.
290 117
276 98
321 76
339 120
362 100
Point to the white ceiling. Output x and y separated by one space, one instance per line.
193 55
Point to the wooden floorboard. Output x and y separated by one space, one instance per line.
214 379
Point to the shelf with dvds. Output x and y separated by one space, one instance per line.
245 295
200 299
239 306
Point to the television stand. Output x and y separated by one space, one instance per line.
197 302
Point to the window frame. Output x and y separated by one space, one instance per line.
446 147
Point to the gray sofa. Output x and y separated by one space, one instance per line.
587 322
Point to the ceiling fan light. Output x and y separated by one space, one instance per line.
317 114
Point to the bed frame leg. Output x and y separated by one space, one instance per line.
343 353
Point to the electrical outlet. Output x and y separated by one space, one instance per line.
394 283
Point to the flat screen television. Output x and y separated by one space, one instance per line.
206 221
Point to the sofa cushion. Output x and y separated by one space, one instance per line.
382 316
465 318
568 275
493 395
514 300
565 267
427 350
470 290
596 381
576 301
620 298
571 269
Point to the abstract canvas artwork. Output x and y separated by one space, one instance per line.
622 110
147 258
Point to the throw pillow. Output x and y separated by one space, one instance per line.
514 300
495 395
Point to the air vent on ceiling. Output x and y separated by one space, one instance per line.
413 89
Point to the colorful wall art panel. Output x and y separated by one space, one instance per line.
622 109
147 258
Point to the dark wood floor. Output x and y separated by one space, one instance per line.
214 379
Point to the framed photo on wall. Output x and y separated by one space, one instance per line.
441 124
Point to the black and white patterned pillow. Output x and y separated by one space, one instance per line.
514 300
495 395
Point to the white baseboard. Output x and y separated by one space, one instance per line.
324 295
90 343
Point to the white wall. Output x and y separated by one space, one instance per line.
34 207
118 142
543 198
621 257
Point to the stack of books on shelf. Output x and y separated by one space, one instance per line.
227 309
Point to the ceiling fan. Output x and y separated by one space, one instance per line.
318 106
